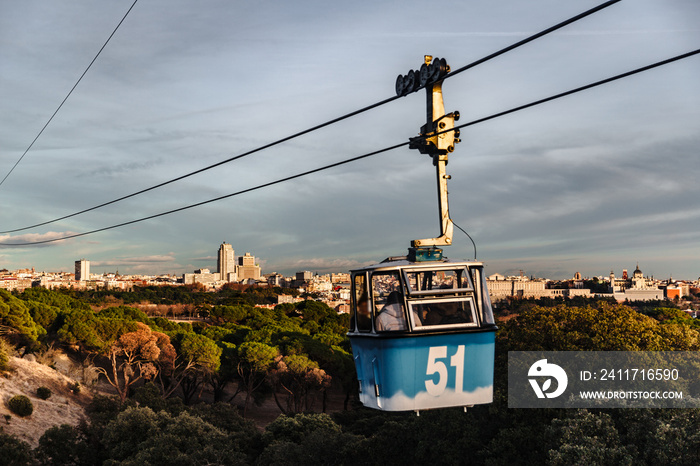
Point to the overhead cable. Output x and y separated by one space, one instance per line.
533 37
370 154
69 92
574 91
317 127
209 201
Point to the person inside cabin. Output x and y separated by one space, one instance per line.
391 317
446 313
432 314
450 314
364 321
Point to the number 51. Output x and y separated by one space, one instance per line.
435 366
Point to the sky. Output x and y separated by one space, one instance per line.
594 182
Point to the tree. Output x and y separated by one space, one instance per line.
334 360
223 314
586 438
227 372
140 436
341 367
314 311
15 317
91 331
43 314
295 428
609 327
63 445
668 315
59 298
124 434
243 435
298 378
199 358
254 361
138 355
13 451
668 436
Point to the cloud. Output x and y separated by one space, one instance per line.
648 220
8 241
608 173
118 168
149 270
135 261
205 258
320 264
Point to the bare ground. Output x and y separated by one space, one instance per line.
66 407
63 407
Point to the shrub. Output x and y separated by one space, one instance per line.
14 451
20 405
64 445
43 392
5 352
47 356
4 361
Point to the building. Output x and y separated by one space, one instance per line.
305 275
673 291
15 283
285 298
638 288
247 269
226 263
321 283
641 283
203 276
275 279
302 279
617 285
82 270
229 270
340 278
501 287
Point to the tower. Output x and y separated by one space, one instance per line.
82 270
613 288
247 269
226 264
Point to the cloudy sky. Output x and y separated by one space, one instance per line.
596 181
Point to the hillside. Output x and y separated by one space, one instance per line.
63 407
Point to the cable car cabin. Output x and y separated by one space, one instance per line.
422 335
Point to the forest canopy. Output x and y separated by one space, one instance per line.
293 355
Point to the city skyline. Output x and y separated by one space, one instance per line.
618 272
596 181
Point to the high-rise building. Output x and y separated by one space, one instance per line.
82 270
226 263
247 269
246 259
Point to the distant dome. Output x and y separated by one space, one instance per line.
637 271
